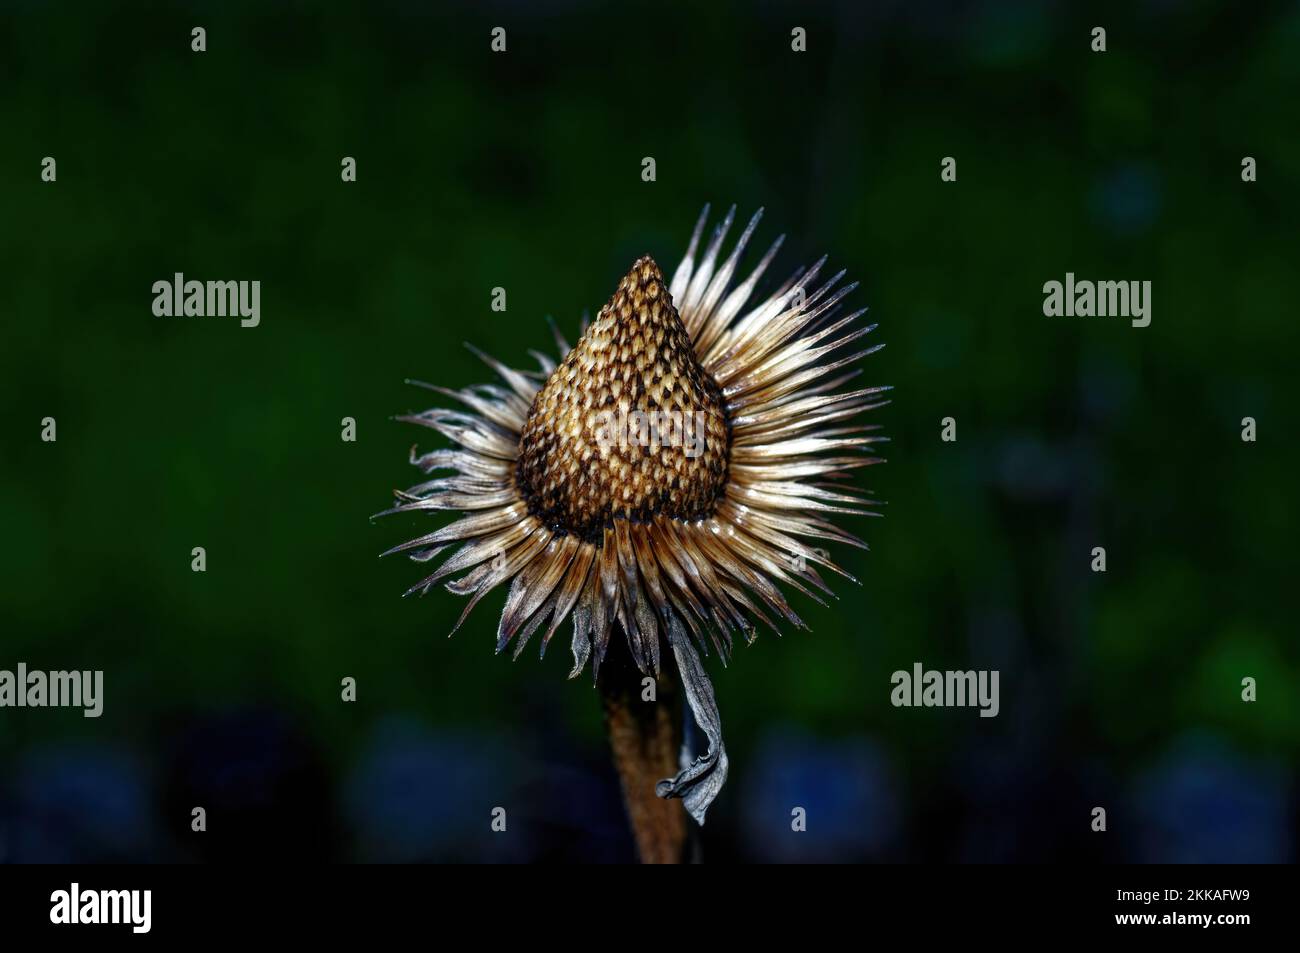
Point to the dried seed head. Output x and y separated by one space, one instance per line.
584 457
679 545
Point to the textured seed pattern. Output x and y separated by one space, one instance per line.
636 356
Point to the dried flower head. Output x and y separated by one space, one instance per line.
676 468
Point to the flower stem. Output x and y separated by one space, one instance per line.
645 740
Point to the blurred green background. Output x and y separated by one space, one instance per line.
522 170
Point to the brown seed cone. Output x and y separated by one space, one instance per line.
576 471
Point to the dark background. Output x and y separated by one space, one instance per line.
522 170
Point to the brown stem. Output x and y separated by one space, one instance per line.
645 741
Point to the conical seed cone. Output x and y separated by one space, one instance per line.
629 425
